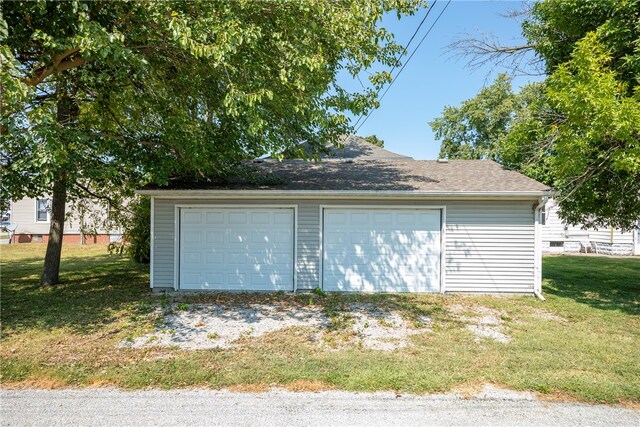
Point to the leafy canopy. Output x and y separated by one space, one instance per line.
579 130
475 130
373 139
115 94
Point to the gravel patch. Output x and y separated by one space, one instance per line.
209 326
371 328
484 322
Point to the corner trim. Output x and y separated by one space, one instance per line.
152 242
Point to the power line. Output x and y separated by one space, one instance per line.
405 64
397 62
414 51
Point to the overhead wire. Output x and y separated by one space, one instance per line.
397 61
403 66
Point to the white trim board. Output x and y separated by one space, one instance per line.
35 212
152 241
341 194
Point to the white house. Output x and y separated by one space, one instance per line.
369 221
558 237
31 217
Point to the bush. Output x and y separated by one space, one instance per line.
136 236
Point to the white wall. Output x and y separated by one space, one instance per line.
555 230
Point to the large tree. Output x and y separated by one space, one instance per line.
579 129
477 128
100 96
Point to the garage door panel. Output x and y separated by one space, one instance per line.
237 258
236 279
192 278
215 237
388 250
282 218
237 248
214 279
193 217
215 218
192 236
214 258
258 237
359 217
192 257
260 218
237 217
238 237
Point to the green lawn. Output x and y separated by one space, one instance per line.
582 343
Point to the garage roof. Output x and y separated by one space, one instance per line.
353 147
375 175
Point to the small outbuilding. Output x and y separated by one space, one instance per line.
362 220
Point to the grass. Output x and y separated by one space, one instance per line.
582 343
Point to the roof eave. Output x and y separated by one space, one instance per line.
339 194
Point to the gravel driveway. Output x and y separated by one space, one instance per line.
108 407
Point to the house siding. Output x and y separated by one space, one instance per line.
554 230
23 214
489 245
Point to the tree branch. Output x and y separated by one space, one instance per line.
108 199
487 49
64 61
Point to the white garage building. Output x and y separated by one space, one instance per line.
375 223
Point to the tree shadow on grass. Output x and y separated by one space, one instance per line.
600 282
91 293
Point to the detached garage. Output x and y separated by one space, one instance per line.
382 224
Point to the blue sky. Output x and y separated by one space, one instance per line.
434 78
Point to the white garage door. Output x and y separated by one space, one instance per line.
236 249
381 250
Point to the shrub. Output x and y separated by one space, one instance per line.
136 236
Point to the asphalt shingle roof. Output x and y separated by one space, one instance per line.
362 174
355 147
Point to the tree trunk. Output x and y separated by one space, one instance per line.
65 116
51 270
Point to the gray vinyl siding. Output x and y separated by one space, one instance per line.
163 244
489 245
308 250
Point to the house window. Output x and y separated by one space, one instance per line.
556 244
43 209
543 215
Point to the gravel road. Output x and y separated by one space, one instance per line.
109 407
